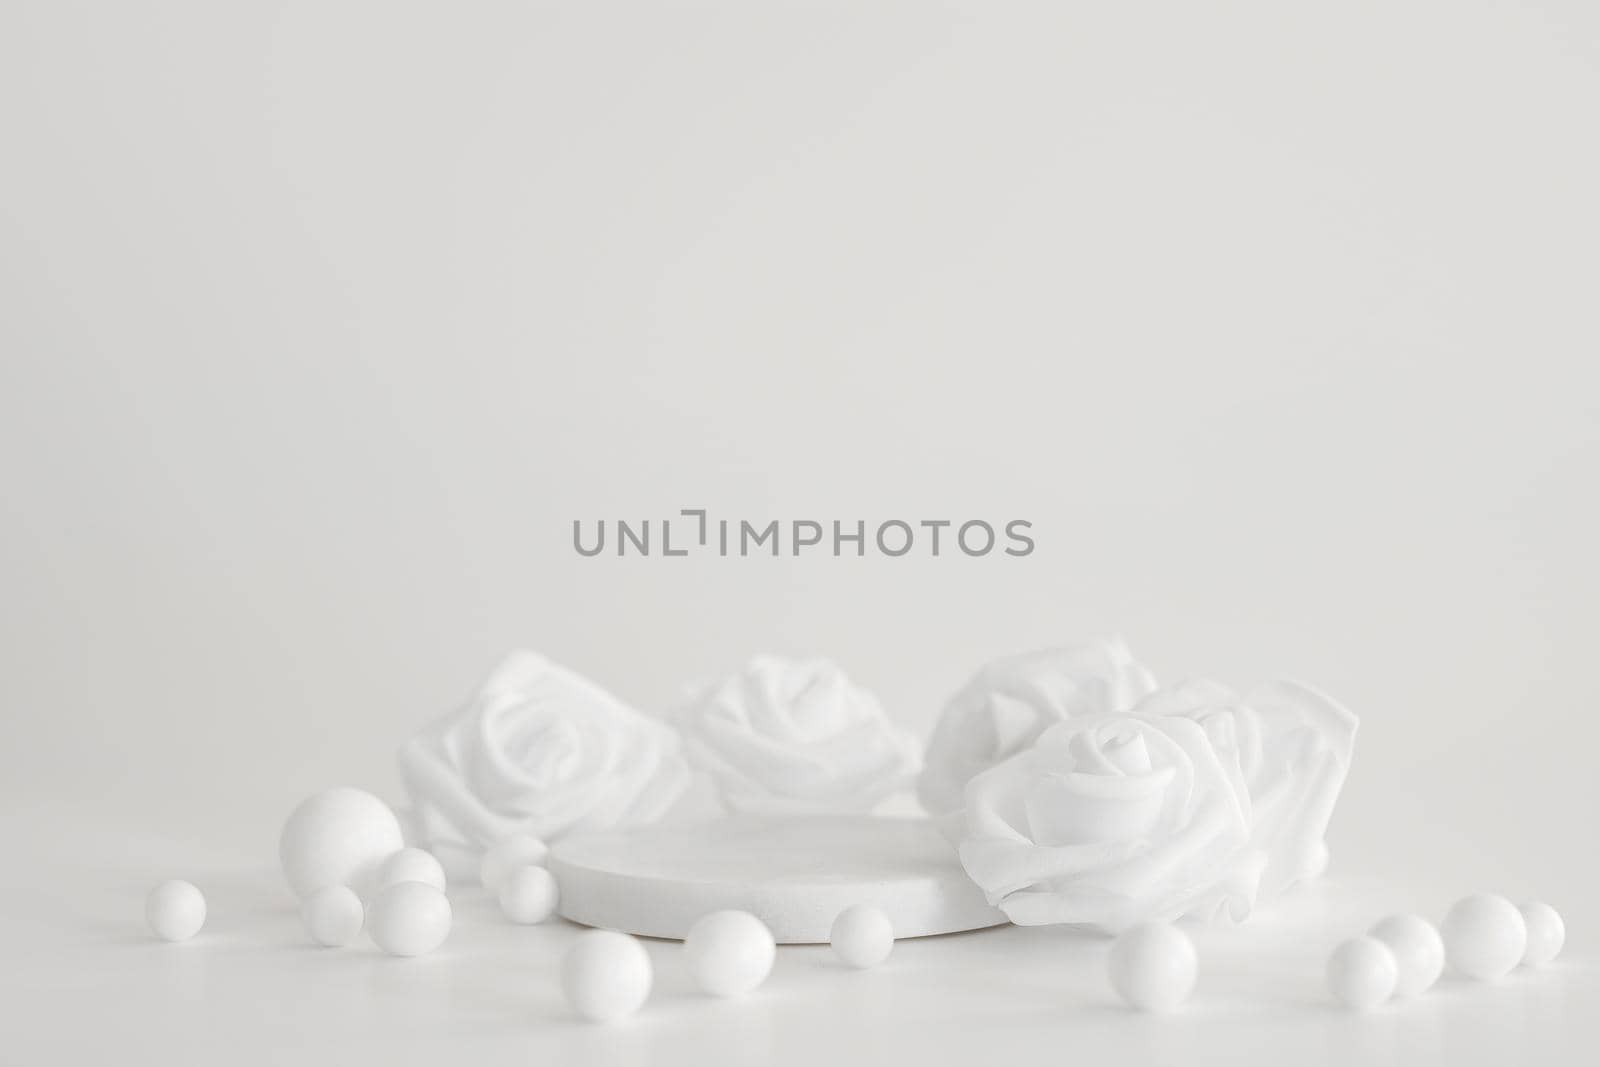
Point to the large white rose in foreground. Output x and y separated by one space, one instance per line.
1011 701
1113 820
785 736
1293 746
538 750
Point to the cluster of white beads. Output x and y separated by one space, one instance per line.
1483 936
607 975
345 844
341 843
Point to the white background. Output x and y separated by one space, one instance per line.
323 322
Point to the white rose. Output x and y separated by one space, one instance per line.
1113 820
538 750
1293 746
1011 701
787 736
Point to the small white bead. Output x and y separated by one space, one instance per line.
606 975
1362 973
862 936
1153 967
529 895
1546 933
730 952
508 855
409 919
333 915
1418 951
1484 936
175 910
411 865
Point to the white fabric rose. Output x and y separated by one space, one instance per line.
1113 820
538 750
1293 746
1010 702
793 736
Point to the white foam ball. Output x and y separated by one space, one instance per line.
606 975
411 865
529 895
1546 933
1153 967
337 837
862 936
333 915
175 910
730 953
409 919
1484 936
503 857
1363 973
1418 951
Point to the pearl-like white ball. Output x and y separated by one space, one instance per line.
1546 933
529 895
503 857
411 865
1153 967
338 837
333 915
409 919
175 910
606 975
1484 936
1362 973
862 936
1418 952
730 953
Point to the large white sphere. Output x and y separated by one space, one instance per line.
729 952
1546 933
333 915
409 919
175 910
606 975
1363 972
1484 936
337 837
1153 967
529 895
503 857
410 865
1418 951
862 936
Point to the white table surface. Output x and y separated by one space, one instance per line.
83 982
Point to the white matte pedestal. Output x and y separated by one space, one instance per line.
796 873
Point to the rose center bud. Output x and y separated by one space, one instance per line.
1078 808
1127 752
545 751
